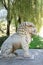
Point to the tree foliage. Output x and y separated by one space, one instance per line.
24 10
29 10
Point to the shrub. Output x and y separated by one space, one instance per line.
2 39
37 42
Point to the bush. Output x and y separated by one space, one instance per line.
2 39
37 42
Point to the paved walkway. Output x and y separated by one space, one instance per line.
36 58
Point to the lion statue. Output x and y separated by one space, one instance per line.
20 39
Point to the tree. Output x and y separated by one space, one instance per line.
23 10
7 6
29 10
37 10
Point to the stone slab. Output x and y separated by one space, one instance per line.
35 59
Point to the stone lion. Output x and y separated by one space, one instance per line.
20 39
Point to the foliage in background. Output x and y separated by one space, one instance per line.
37 42
25 10
29 10
2 39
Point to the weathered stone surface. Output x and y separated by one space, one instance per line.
35 59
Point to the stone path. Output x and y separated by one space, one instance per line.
35 59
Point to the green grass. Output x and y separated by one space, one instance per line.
37 42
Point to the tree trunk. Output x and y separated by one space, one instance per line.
8 28
8 19
19 20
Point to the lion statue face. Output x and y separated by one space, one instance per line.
31 28
27 28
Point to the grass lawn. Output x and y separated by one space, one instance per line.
36 43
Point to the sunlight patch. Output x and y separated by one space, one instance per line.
41 32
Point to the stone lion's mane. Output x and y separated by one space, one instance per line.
23 29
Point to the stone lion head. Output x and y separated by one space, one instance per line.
27 27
